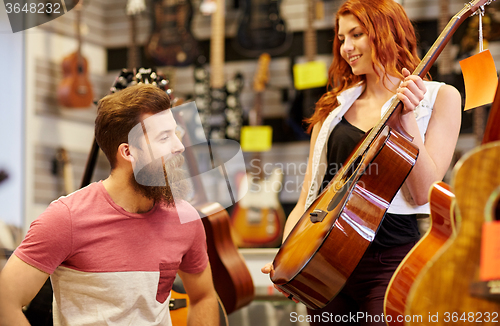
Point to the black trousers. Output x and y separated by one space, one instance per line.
361 301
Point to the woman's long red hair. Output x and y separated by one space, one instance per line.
393 42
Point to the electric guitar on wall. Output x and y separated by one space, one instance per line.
262 29
258 219
134 9
218 102
305 100
75 90
172 43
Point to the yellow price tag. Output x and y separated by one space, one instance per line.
309 75
256 138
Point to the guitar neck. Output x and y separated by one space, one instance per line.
310 42
217 46
79 30
423 68
133 51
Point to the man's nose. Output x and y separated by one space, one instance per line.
177 147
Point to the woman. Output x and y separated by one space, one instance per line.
374 51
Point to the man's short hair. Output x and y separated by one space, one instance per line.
119 112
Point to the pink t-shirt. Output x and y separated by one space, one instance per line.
109 266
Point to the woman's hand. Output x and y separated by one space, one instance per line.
268 269
411 91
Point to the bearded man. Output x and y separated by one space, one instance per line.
113 248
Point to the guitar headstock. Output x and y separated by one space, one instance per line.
262 76
135 7
475 5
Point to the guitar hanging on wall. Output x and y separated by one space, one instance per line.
134 10
310 78
262 29
172 43
218 102
75 90
258 219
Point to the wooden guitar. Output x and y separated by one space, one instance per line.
172 43
445 285
75 90
258 218
329 240
443 227
232 279
262 29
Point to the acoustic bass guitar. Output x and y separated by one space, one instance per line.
328 241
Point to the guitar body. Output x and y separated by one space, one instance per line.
443 287
232 279
261 29
442 228
75 90
172 43
329 240
258 219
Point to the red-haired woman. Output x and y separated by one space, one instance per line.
374 50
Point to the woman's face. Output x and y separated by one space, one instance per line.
354 45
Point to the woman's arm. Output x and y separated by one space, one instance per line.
436 152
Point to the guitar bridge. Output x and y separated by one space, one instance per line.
317 215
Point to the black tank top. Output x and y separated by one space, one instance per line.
395 229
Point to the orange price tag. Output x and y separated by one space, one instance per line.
489 268
480 79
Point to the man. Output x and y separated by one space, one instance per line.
113 248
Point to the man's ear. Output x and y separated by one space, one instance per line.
124 153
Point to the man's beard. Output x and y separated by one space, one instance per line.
151 178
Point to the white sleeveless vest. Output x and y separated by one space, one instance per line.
403 202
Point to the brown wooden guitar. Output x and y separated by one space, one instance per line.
258 218
329 240
442 228
444 287
232 279
75 90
